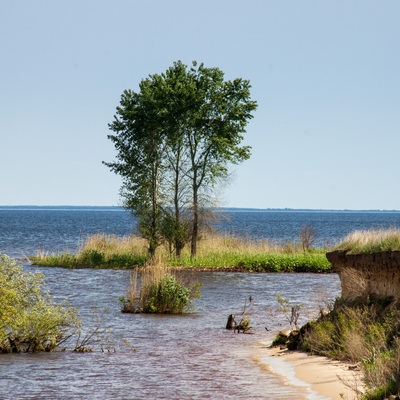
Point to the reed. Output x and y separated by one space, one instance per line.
370 241
160 290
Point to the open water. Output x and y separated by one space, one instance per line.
175 357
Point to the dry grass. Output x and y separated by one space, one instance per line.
214 243
209 244
368 241
364 336
112 244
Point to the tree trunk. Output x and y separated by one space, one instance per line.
153 242
195 227
178 246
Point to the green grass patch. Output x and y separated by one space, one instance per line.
90 259
259 262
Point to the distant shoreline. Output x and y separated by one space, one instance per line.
222 209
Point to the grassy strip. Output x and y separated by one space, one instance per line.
215 252
259 262
371 241
90 259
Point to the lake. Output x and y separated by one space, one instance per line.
176 357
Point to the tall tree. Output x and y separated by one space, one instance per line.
175 140
223 110
141 145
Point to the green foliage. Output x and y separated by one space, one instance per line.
160 292
382 392
29 320
168 296
91 259
280 340
291 311
215 252
260 262
175 139
175 232
361 334
251 258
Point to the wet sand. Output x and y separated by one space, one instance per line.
316 377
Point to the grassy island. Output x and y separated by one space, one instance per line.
225 253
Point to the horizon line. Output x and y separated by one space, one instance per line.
216 208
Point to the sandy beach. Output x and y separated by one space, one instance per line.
316 377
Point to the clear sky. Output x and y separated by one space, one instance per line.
325 74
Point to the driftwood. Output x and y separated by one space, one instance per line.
244 324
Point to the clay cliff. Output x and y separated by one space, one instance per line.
366 276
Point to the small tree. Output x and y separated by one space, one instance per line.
307 237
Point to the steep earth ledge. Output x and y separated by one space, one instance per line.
367 276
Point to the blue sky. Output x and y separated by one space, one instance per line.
325 75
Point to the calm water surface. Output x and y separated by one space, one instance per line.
176 357
25 231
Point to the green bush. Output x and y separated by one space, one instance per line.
160 291
29 319
92 258
168 296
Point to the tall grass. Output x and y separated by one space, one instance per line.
159 290
99 251
214 251
370 241
366 335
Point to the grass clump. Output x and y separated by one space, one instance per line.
29 319
371 241
366 335
159 291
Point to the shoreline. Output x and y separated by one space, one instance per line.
317 377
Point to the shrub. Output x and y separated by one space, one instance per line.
92 258
160 292
168 295
29 320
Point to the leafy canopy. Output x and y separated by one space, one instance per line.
175 139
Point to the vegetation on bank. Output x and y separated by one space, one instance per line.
29 319
365 335
214 252
371 241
